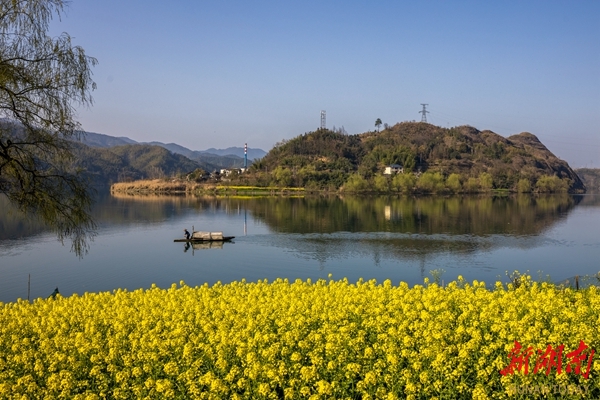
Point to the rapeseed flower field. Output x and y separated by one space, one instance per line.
305 340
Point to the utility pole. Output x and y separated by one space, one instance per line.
424 112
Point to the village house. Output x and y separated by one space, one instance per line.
393 169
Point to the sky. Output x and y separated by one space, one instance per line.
218 74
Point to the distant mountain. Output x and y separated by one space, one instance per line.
253 154
591 178
232 157
108 159
99 140
129 162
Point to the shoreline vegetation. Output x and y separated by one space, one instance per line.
426 183
176 186
285 339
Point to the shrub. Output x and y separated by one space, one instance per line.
486 182
524 186
404 182
551 184
431 182
356 183
453 183
472 185
381 183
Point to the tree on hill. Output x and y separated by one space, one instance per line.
378 123
41 80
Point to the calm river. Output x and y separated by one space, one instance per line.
401 239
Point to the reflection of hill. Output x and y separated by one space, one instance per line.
124 208
322 228
402 246
589 201
409 228
521 215
13 225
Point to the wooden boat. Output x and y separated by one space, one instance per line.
196 240
201 237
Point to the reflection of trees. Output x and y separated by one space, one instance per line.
519 215
409 228
413 228
124 208
118 208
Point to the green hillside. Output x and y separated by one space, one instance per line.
132 162
434 159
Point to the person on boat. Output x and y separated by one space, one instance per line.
186 234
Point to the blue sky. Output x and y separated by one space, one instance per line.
222 73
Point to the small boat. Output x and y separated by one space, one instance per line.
195 240
200 237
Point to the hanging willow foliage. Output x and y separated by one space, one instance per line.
42 80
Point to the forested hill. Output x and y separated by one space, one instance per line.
133 162
231 157
329 159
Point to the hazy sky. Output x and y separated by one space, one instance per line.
222 73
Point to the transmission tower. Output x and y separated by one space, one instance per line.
424 112
323 124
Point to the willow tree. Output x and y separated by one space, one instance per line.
42 80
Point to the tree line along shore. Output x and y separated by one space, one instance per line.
426 183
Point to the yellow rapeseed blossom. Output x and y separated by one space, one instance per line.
304 339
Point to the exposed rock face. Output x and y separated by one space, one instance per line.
546 160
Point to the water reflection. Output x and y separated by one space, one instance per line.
455 222
383 238
204 245
408 229
518 215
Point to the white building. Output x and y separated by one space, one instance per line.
393 169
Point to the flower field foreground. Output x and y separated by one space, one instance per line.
324 339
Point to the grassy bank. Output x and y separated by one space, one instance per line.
181 186
328 339
155 186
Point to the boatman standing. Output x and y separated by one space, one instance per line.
187 234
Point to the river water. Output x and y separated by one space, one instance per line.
401 239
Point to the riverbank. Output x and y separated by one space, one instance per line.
180 186
405 184
155 186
